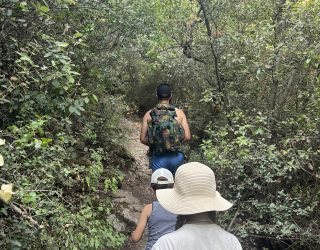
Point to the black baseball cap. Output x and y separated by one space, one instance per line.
164 91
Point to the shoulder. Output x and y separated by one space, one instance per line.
148 112
147 210
188 237
234 242
167 242
147 115
228 237
172 238
179 112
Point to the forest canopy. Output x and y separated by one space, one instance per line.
247 73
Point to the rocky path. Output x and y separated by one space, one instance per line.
134 193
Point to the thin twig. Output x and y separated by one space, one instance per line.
3 180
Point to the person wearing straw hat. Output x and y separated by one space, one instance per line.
159 220
195 200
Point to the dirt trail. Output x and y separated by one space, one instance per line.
134 193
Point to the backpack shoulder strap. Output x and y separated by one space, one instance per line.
153 113
171 107
161 109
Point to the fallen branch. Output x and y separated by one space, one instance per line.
25 215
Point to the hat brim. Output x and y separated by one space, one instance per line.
184 205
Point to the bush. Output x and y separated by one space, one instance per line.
273 185
63 152
64 193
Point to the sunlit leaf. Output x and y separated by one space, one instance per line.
95 97
62 44
77 35
6 192
44 9
1 161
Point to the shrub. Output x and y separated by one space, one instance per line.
273 184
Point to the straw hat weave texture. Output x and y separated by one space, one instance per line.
194 191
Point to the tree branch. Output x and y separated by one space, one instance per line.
216 61
233 220
25 215
214 54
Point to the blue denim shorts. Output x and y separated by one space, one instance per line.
168 160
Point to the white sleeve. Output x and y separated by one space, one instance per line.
155 246
161 244
237 245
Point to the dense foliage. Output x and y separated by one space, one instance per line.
246 72
60 115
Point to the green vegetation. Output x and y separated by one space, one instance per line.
246 72
60 115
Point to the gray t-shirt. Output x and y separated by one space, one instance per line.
198 236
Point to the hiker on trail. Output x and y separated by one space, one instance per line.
164 129
159 220
195 200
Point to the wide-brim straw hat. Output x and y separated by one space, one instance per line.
194 191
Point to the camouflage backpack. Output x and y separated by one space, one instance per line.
164 132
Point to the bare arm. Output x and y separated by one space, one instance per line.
144 129
185 125
138 232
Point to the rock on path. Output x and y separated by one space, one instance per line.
134 194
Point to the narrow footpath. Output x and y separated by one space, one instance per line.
134 193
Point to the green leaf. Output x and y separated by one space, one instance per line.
72 109
86 100
95 97
15 244
23 5
77 35
1 160
62 44
56 83
70 79
81 108
44 9
25 57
